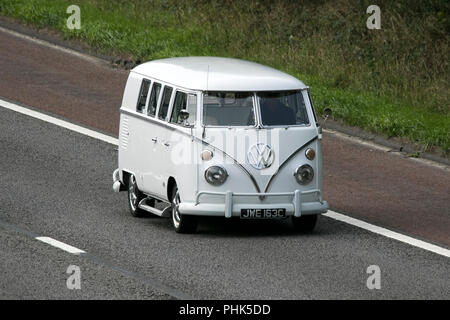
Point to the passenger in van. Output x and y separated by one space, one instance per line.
275 113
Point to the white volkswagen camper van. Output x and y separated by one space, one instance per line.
208 136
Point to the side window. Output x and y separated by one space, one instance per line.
143 93
167 94
192 108
154 96
179 104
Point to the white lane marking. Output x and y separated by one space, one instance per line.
380 147
388 233
331 214
357 140
59 122
53 46
60 245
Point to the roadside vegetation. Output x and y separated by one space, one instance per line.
393 81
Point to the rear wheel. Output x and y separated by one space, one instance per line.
134 197
181 223
304 223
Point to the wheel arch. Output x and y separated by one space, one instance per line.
125 178
170 183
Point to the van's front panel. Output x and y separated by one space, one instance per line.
266 162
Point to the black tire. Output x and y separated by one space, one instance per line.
134 197
305 224
181 223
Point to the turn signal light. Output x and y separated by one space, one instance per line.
206 155
310 154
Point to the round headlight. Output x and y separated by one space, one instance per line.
216 175
304 174
310 154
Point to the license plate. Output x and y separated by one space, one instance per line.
263 213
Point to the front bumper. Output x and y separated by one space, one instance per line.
229 209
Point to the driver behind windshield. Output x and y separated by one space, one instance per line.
276 113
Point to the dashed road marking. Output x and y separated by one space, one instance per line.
60 245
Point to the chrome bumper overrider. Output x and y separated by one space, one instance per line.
117 185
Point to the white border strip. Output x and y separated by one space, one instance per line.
53 46
60 245
59 122
331 214
379 147
388 233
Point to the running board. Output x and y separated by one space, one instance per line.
166 212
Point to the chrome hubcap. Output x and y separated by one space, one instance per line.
176 218
132 193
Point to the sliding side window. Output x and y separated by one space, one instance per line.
167 94
154 97
143 93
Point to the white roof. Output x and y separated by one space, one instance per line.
225 74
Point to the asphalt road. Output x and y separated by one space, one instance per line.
57 183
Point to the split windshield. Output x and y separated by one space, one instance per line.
277 108
228 109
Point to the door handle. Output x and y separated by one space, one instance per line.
166 144
155 139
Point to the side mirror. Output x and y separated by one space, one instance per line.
327 112
183 115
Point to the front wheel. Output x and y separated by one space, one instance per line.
304 224
181 223
134 197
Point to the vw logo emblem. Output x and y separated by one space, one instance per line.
260 156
